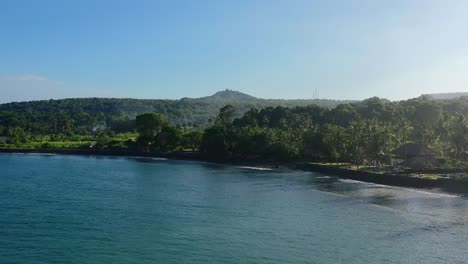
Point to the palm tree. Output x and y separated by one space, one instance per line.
458 134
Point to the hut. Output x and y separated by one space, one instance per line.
413 155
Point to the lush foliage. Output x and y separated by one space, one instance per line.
363 133
85 115
360 133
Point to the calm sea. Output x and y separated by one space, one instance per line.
78 209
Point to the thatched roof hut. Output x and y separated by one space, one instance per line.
413 150
415 156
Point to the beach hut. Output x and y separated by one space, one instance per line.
414 155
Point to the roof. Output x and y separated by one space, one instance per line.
420 162
414 149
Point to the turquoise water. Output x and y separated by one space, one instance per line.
77 209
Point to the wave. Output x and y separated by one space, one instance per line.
426 192
255 168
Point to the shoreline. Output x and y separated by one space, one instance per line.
396 180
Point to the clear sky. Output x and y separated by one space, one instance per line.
349 49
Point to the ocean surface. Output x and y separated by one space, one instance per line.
80 209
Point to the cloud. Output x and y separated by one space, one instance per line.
27 77
24 77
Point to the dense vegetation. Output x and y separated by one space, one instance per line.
83 116
367 131
358 133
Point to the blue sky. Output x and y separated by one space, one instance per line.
355 49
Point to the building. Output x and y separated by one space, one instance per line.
416 156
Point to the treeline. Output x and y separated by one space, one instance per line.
358 133
83 116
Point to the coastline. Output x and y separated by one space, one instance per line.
396 180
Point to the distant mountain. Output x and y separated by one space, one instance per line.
444 96
84 113
223 98
229 95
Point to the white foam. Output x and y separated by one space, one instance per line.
432 193
254 168
159 158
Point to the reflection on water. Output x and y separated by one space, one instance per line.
441 211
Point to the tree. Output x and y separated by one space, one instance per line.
442 131
213 143
425 118
226 116
148 126
103 139
192 139
357 139
16 136
381 141
426 114
334 141
253 142
458 135
168 139
225 122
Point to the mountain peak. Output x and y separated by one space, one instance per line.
232 95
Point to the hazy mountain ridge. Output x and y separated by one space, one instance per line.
444 96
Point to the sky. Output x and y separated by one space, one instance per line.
348 49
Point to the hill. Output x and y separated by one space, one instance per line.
445 96
82 114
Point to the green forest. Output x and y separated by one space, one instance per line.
82 116
359 133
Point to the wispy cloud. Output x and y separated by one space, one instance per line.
23 77
27 77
